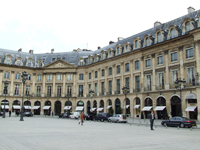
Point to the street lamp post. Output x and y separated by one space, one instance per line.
68 96
180 84
5 91
91 95
125 90
24 77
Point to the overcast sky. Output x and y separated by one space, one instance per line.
65 25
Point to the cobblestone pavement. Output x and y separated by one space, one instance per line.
51 133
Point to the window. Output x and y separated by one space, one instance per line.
29 63
59 77
148 62
59 91
29 77
69 77
110 71
40 64
127 67
147 41
118 69
81 62
160 60
89 87
136 43
174 76
102 88
89 76
110 53
95 88
27 90
189 53
6 75
8 60
191 78
16 89
174 56
127 82
18 62
137 83
118 86
38 92
49 91
81 90
102 72
127 46
96 73
110 87
187 26
137 65
17 76
80 76
69 90
159 37
172 33
117 50
148 78
161 80
39 77
53 59
49 77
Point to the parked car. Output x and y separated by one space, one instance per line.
75 115
102 116
179 121
88 116
118 118
28 114
63 115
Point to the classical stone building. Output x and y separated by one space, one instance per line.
148 63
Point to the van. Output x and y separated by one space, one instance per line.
74 115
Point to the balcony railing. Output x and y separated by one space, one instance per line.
117 92
136 90
148 88
162 87
80 95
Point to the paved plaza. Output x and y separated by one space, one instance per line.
51 133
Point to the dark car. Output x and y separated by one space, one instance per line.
63 115
88 116
102 116
28 114
179 121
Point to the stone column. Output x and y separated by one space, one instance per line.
131 86
12 82
33 90
153 72
197 52
74 92
113 81
64 88
43 84
122 77
142 73
54 85
167 73
1 86
181 62
106 81
98 84
131 108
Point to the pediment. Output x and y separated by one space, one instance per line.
60 64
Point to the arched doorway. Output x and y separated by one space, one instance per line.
109 107
88 107
57 110
16 106
68 106
101 108
80 106
118 109
127 106
94 108
37 108
6 103
137 106
161 108
27 106
148 102
175 106
47 107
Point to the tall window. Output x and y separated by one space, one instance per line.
136 43
8 60
174 56
38 92
40 64
18 62
174 76
191 77
29 77
29 63
16 89
81 90
89 87
7 75
80 76
27 90
172 33
110 87
137 65
187 26
118 86
17 76
59 91
127 67
127 81
59 77
102 88
102 72
49 77
189 53
69 77
49 91
118 69
89 76
95 88
39 77
137 83
160 60
161 80
81 62
127 46
148 78
159 37
147 41
148 62
117 50
110 71
69 90
96 73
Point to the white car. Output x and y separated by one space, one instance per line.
75 115
118 118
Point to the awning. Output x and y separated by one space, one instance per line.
79 108
16 107
100 109
27 107
159 108
35 107
46 107
136 106
109 107
93 109
190 108
67 107
191 96
147 108
6 106
127 106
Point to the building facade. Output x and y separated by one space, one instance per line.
148 63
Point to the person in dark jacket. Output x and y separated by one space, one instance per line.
152 117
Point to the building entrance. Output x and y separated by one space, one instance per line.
175 106
57 108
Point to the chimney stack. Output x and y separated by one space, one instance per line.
20 50
111 42
98 47
120 38
31 51
190 10
52 50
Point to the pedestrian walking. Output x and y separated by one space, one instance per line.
81 118
152 117
9 113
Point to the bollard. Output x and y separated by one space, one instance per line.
146 124
166 127
191 129
177 127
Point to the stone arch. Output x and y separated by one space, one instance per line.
57 108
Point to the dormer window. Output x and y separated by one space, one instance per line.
110 53
81 62
172 33
127 47
117 50
136 43
147 41
40 64
159 37
18 62
29 63
8 60
187 26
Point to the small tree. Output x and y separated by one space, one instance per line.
111 110
119 110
